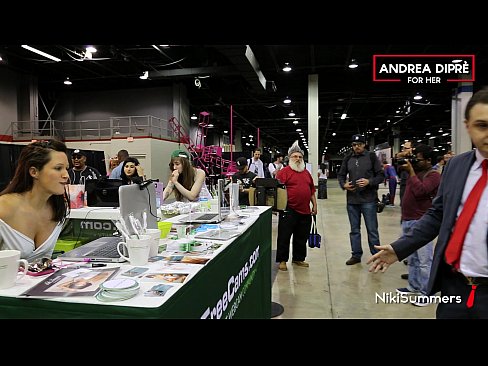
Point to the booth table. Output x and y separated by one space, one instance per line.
235 283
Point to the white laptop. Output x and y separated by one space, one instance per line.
133 198
136 199
100 250
211 217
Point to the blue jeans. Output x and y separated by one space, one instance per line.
419 263
370 219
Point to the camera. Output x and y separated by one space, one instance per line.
410 157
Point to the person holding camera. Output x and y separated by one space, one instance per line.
422 185
364 173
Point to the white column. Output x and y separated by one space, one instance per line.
461 142
313 124
395 131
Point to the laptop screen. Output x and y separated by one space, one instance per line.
135 200
103 192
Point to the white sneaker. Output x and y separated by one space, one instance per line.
422 301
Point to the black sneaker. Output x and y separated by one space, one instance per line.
353 260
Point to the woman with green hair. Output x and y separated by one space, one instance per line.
185 182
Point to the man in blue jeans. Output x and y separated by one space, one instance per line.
422 185
360 174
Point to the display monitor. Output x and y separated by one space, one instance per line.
102 192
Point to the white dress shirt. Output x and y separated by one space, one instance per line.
474 255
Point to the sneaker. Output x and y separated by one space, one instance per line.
404 276
404 290
422 301
353 260
282 266
301 263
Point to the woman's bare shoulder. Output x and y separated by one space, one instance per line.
8 205
200 173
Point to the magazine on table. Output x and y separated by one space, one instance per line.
71 282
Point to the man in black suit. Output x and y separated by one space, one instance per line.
465 280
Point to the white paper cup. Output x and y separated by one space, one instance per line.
155 234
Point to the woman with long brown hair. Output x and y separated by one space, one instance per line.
185 181
35 205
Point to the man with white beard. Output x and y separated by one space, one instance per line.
296 219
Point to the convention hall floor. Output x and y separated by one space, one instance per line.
331 289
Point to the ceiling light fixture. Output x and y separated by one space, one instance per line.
287 67
287 100
88 55
39 52
291 114
344 115
353 64
144 76
295 122
91 49
417 96
193 116
67 81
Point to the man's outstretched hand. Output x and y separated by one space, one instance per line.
382 260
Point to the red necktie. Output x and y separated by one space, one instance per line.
455 245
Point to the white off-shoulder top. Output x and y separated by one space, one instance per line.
13 239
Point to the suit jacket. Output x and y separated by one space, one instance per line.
439 219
